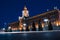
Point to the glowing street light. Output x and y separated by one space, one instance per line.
9 27
46 22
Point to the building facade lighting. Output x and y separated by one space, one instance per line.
9 27
45 20
24 24
24 28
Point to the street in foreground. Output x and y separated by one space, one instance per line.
32 35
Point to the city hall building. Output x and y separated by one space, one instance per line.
37 22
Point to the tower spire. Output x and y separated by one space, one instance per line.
25 3
25 12
25 8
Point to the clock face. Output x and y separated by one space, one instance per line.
25 11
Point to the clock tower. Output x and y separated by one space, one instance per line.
25 12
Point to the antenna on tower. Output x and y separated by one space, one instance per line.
25 3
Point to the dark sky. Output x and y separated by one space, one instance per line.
11 9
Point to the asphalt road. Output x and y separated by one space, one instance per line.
45 35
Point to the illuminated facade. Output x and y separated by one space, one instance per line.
40 21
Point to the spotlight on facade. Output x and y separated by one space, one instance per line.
45 20
20 29
24 24
24 28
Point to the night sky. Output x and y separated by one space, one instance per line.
11 9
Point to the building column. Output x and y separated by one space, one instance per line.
33 26
40 25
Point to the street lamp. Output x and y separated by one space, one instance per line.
9 27
24 28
